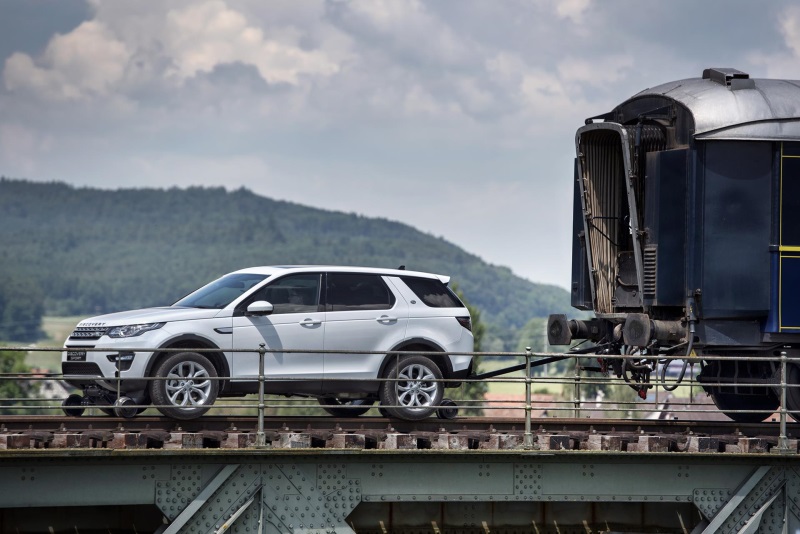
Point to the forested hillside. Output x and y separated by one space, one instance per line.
80 251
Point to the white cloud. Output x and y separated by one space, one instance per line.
407 29
572 9
790 29
202 36
543 96
135 49
419 102
783 64
88 61
597 72
338 104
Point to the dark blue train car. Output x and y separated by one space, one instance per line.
687 235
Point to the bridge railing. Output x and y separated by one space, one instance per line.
571 392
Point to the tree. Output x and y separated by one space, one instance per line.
474 391
533 335
21 309
13 363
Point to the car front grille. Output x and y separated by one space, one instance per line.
88 332
80 368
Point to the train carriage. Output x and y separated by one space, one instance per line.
687 236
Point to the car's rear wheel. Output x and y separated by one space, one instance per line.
345 407
186 386
413 388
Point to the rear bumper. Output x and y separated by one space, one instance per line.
460 375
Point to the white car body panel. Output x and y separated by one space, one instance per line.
362 330
409 321
291 331
166 314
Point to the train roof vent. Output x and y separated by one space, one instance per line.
733 78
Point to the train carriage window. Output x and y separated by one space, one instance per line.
790 195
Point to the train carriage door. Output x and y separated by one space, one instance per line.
789 239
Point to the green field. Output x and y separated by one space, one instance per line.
56 330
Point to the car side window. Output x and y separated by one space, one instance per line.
298 293
351 291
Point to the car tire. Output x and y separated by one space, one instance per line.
448 410
412 388
345 407
186 386
73 405
122 408
110 410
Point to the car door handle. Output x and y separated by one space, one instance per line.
310 322
385 319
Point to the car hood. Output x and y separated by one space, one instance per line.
149 315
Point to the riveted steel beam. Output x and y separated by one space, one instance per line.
369 491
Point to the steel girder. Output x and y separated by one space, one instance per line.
383 491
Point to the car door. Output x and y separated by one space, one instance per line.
296 323
362 313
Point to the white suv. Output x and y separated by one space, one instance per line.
392 313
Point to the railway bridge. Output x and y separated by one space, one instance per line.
671 466
312 479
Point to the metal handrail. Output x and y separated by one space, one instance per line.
576 404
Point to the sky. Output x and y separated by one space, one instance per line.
457 117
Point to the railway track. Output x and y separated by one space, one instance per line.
472 433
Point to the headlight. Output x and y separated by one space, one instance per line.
132 330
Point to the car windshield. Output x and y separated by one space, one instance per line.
221 292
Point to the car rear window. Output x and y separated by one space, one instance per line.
432 292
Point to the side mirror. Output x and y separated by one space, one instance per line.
259 307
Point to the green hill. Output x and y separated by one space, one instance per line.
90 251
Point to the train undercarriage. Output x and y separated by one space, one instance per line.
744 382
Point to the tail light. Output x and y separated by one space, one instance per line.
466 322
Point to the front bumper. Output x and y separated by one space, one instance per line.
111 365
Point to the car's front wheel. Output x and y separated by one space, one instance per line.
185 385
412 389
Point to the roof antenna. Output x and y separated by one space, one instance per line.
401 268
